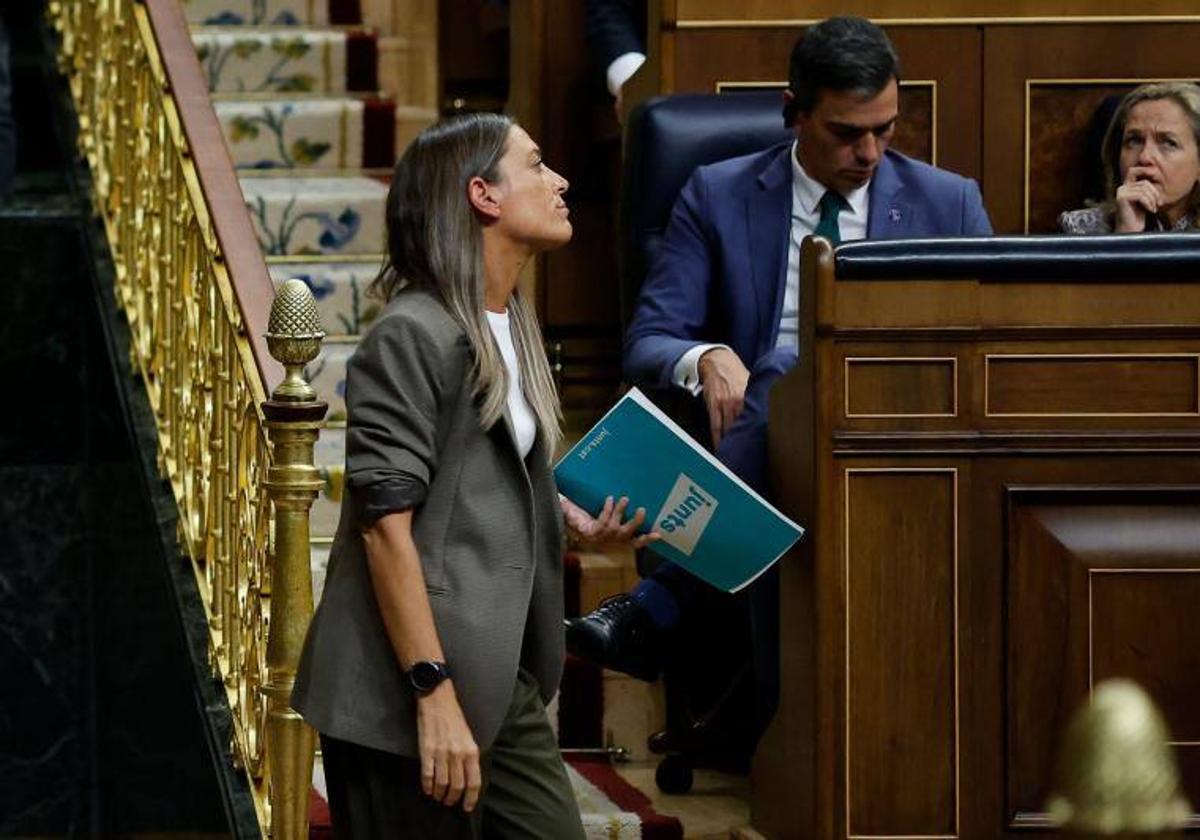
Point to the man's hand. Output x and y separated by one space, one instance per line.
449 755
723 378
1137 198
606 528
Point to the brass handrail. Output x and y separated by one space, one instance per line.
193 283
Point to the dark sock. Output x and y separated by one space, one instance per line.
658 601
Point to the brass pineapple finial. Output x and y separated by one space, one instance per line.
1116 773
294 338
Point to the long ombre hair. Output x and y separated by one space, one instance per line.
435 242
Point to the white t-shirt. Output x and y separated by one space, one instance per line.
524 423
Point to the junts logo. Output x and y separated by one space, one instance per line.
685 514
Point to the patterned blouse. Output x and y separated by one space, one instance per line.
1092 220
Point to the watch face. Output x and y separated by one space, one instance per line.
425 676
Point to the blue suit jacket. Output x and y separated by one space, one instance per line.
720 272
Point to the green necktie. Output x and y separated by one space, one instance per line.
831 205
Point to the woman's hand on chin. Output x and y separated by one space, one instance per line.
607 528
1137 198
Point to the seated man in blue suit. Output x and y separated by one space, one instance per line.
718 313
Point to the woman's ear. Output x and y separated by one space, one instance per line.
483 197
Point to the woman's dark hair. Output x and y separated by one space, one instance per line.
840 54
433 236
435 242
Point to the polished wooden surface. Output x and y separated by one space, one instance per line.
1016 85
1039 385
560 99
901 709
901 387
1020 59
685 11
940 97
1111 573
968 575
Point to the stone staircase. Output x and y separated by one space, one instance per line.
295 85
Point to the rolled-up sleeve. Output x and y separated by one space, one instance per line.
394 394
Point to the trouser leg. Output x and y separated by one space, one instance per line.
374 794
764 630
528 794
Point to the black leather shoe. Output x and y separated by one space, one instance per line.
618 635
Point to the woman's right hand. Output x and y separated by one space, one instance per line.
449 755
1137 198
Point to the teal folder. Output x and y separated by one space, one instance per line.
713 524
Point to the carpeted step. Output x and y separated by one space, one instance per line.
340 216
308 133
341 290
329 455
257 12
240 59
318 553
272 12
611 808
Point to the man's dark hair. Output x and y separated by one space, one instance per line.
839 54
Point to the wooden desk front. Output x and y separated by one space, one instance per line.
1001 481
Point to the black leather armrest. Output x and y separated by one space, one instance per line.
1155 255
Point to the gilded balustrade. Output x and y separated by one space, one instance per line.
195 350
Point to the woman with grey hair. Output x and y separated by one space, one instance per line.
439 636
1151 157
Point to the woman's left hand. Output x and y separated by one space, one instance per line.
606 528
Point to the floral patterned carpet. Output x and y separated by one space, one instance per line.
294 84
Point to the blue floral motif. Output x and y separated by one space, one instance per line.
335 235
258 14
321 287
340 231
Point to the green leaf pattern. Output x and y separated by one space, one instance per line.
243 128
306 153
217 59
300 152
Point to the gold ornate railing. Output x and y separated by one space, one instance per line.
195 289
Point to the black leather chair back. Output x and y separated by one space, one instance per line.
1166 256
668 137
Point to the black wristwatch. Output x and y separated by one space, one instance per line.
425 676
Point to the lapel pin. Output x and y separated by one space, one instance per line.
894 214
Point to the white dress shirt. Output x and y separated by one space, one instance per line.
806 213
622 67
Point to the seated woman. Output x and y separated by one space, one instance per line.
1151 156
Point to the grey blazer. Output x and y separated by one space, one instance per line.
489 533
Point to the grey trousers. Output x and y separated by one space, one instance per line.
526 793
